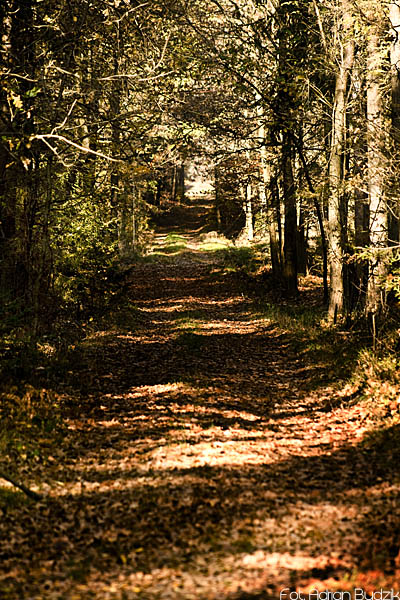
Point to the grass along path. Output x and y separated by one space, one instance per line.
206 457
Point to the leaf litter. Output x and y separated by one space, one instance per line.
202 458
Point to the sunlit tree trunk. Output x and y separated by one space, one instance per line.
394 208
376 139
336 209
246 191
394 16
276 208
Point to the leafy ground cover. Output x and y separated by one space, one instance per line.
203 440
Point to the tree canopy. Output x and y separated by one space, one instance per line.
294 106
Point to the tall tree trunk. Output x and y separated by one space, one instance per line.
376 168
394 208
336 209
18 177
394 16
119 187
286 110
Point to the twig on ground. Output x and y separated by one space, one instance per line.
21 486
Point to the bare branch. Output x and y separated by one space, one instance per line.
52 136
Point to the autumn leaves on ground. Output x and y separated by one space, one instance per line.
204 450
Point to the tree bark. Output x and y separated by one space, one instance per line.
248 211
376 170
336 202
290 273
394 208
394 16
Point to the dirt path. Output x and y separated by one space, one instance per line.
203 458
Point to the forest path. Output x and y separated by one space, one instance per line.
204 458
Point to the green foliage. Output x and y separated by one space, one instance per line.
174 248
174 244
86 253
213 245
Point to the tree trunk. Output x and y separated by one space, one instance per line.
217 199
181 182
174 185
248 211
290 274
301 242
119 186
336 202
276 204
394 16
394 212
376 170
18 176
